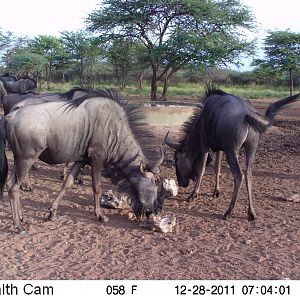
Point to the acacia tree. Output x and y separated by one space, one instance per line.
51 48
176 32
25 62
282 54
82 49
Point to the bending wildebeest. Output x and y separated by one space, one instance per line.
226 124
94 131
22 85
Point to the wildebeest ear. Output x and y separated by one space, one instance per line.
143 168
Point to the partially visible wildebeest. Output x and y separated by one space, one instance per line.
2 91
95 131
21 85
15 101
18 85
226 124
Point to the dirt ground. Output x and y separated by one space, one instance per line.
202 246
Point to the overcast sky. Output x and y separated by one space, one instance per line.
34 17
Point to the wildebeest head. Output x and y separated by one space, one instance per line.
184 162
187 157
143 180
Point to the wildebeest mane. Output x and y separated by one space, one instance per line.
70 94
135 116
144 137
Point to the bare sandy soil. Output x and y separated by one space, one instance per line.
203 246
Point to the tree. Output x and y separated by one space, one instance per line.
6 39
26 63
81 47
176 32
51 48
282 54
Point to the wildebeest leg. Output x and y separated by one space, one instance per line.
218 173
20 172
64 172
250 156
26 185
201 171
69 181
232 158
96 183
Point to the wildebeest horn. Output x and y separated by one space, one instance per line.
154 167
171 144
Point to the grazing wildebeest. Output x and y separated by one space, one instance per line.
21 85
226 124
95 131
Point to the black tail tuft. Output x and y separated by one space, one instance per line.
274 108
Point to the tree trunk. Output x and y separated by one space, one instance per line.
140 80
291 83
154 84
165 88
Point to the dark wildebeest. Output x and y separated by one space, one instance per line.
21 85
95 131
226 124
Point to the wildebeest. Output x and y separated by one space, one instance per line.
15 101
88 130
2 91
226 124
12 102
21 85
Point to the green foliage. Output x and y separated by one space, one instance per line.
26 62
282 55
176 32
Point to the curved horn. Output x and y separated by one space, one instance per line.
154 167
171 144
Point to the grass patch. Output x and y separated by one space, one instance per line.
186 89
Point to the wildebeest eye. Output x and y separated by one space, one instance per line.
183 151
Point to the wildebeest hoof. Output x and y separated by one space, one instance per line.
24 233
80 181
226 216
216 194
192 197
251 217
26 188
103 219
51 216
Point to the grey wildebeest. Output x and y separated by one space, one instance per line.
2 91
89 130
12 102
21 85
15 101
226 124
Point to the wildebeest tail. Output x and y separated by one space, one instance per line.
274 108
3 159
262 123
